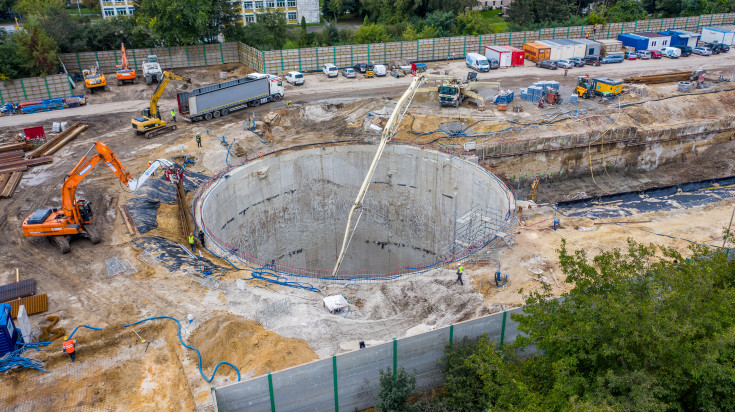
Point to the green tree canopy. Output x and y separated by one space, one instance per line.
371 33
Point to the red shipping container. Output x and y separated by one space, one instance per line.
517 56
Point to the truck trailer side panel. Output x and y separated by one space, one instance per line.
226 96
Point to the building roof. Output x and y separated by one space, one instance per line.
681 33
651 34
722 29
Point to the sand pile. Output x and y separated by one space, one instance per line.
246 344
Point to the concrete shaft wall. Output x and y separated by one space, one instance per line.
294 207
350 381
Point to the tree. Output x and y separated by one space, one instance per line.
275 22
393 393
223 19
39 51
409 34
335 7
91 4
13 63
175 22
470 23
441 21
626 10
371 33
37 7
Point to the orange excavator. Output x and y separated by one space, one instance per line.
124 72
74 217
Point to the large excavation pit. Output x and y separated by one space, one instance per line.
423 208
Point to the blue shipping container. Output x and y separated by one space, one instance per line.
634 41
8 331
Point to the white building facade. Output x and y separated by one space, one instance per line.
114 8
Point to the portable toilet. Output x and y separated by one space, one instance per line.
565 50
8 332
592 48
517 56
720 34
536 52
499 53
682 38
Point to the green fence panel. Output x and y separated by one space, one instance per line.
48 92
334 378
24 89
204 50
270 392
395 359
502 329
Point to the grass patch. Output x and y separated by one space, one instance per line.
497 23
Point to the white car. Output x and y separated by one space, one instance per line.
330 70
702 51
379 70
295 78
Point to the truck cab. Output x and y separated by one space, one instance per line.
450 95
152 70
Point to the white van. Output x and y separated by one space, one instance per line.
295 78
478 62
379 70
671 52
330 70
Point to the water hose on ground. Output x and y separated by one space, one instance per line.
199 355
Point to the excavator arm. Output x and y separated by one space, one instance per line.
160 88
85 165
125 65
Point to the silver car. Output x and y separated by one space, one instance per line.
349 73
565 64
702 51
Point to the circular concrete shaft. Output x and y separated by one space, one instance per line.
422 208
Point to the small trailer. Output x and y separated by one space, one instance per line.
220 99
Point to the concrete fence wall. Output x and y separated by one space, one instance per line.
349 381
446 48
168 57
35 88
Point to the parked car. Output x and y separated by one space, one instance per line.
717 48
643 54
686 51
360 67
613 58
593 60
547 64
671 52
631 55
578 61
329 69
349 73
494 63
379 70
295 78
702 51
656 54
564 64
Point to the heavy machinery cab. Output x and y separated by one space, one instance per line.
85 211
448 95
369 70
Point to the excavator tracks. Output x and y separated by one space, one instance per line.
161 130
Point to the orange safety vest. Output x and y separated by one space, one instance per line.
69 345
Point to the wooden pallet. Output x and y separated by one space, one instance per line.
11 184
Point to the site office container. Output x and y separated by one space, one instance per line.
536 52
556 50
720 34
592 48
633 41
578 49
567 50
499 53
682 38
656 41
607 85
517 56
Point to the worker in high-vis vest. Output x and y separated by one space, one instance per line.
460 269
173 115
191 241
68 347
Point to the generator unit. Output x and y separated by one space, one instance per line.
8 332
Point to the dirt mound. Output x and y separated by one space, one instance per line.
246 344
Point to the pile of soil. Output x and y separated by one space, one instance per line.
247 345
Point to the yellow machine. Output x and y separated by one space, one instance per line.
454 90
599 86
369 70
94 79
149 122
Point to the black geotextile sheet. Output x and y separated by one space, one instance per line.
143 206
682 196
173 255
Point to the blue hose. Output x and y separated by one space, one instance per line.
272 277
82 326
190 347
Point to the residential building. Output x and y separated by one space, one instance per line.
114 8
248 9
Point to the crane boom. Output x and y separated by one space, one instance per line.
390 128
125 65
160 88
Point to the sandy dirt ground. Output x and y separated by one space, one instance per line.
260 327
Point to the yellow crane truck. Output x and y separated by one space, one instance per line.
598 86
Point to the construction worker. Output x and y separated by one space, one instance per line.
460 269
69 347
199 140
201 237
191 242
566 70
173 115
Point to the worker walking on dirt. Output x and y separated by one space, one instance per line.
566 70
69 347
460 269
199 140
173 115
191 241
201 237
